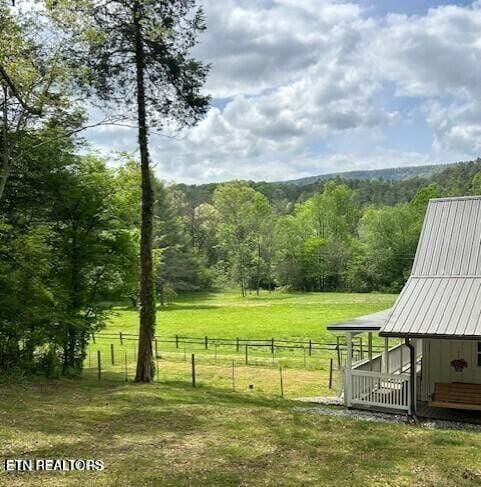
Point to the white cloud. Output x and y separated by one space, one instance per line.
296 76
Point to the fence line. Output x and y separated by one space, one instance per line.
271 343
230 377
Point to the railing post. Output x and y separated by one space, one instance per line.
348 372
338 348
369 349
386 355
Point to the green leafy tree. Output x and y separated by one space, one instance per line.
33 86
242 211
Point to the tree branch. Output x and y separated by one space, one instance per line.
16 93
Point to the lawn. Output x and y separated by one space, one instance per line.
278 315
170 434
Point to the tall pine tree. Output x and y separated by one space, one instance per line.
135 54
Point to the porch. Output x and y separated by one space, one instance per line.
382 379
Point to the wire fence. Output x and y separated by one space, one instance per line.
263 352
279 367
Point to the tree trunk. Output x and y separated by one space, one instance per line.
147 297
5 165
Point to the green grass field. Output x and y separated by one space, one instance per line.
169 433
278 315
227 315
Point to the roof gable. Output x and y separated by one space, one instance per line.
443 295
450 242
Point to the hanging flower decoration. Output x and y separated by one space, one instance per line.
459 364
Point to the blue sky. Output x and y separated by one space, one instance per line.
305 87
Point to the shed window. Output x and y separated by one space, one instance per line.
479 354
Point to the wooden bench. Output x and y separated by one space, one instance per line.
457 395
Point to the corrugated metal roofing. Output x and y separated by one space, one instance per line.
450 243
443 295
373 322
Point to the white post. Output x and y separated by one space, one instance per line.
386 355
401 359
347 372
369 349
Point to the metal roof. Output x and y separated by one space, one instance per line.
373 322
443 295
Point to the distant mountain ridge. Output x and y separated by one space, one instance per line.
378 187
389 174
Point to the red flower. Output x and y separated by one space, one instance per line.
459 364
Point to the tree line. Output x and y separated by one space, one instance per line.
329 242
77 235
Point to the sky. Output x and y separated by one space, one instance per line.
307 87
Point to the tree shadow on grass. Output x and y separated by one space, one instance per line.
191 435
202 436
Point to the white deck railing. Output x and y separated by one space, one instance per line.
379 389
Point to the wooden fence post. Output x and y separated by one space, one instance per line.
112 353
156 348
272 345
310 348
99 364
193 370
121 338
330 373
93 337
237 345
206 344
176 341
282 381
